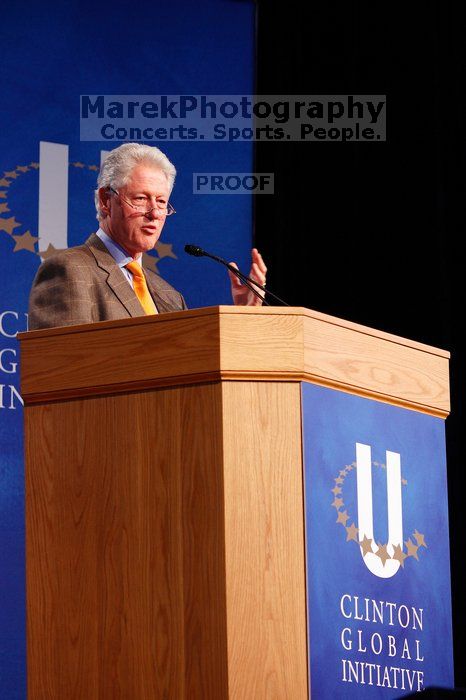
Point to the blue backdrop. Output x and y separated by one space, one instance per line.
50 54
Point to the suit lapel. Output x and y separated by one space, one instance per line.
162 302
115 278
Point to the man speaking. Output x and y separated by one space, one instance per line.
104 278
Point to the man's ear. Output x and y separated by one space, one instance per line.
104 200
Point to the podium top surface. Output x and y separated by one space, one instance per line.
231 343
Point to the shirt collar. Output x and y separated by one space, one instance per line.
119 254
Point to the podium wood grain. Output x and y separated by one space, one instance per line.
234 343
264 529
162 578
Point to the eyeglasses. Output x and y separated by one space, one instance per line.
140 205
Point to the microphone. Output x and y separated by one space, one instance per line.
194 250
247 281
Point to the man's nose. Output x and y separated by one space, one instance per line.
153 213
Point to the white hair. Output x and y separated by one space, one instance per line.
116 169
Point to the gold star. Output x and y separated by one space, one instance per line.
22 168
25 242
4 182
342 517
3 207
337 503
338 480
11 174
335 490
164 250
404 482
382 553
399 555
34 165
366 545
93 167
419 537
412 549
51 250
384 466
150 262
349 467
343 472
9 224
351 533
78 164
2 195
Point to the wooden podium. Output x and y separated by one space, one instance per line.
164 495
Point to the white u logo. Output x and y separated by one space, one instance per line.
365 517
53 194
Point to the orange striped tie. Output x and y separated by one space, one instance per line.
140 287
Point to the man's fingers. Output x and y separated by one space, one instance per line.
257 259
235 281
257 273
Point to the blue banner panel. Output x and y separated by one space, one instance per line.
378 568
51 53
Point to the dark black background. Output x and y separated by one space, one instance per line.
372 232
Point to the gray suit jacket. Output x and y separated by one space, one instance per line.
85 285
